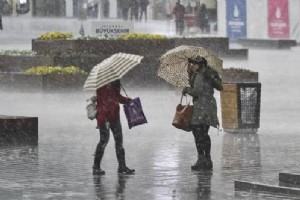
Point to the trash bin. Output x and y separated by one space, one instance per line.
240 104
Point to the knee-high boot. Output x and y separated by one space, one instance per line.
200 163
123 169
97 160
207 148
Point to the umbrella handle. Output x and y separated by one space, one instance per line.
124 90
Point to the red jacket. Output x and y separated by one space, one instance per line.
108 99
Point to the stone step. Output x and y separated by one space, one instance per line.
289 178
259 187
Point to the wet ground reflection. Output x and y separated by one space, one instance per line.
60 167
241 151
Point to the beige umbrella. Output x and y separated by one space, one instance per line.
111 69
173 64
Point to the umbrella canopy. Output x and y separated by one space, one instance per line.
173 64
111 69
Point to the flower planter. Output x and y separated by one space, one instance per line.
233 75
84 61
20 63
106 47
63 81
147 47
58 45
216 45
52 82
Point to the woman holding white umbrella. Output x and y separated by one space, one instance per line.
108 118
104 78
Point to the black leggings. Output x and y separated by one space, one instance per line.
202 139
116 129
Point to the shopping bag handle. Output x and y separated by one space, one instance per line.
124 90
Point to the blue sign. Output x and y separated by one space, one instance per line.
236 19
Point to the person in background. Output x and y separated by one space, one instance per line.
134 10
106 5
108 118
202 19
1 11
189 8
143 9
203 80
179 12
1 27
125 4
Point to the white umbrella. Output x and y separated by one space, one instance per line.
111 69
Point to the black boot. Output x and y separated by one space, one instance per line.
123 169
208 162
200 164
97 160
98 171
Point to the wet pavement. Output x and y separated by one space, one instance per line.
60 166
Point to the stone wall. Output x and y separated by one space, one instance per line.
53 82
21 63
18 130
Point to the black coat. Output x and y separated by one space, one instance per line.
202 90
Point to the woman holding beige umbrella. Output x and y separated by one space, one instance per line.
198 72
203 81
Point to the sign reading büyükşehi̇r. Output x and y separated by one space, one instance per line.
111 29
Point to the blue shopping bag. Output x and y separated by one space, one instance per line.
134 113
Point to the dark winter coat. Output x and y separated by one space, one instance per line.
144 4
202 17
179 12
108 99
202 90
125 3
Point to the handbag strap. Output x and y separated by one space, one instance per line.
186 98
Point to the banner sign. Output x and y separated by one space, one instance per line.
278 19
236 19
111 29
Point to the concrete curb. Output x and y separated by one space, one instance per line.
259 187
290 178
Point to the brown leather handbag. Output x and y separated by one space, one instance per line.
183 116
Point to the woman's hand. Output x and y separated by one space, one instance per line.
93 98
128 100
184 91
